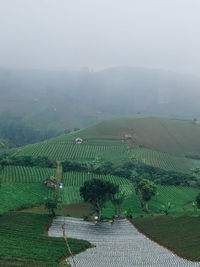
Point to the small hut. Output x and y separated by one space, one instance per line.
127 137
79 140
50 182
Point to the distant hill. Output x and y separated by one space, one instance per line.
53 101
174 136
157 141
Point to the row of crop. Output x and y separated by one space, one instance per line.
179 198
160 160
16 195
78 178
21 174
61 151
176 193
70 194
89 142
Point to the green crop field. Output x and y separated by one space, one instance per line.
181 234
21 174
72 151
174 136
23 243
161 160
16 195
156 141
180 197
23 186
70 193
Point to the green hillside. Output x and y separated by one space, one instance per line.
156 141
23 242
174 136
23 187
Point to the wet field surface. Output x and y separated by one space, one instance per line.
116 245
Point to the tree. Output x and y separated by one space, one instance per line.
198 201
51 205
98 192
145 189
166 208
117 200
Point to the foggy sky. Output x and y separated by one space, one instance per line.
100 33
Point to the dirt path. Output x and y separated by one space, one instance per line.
117 245
59 171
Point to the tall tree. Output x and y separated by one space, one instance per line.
98 192
145 189
198 200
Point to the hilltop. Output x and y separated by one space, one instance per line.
157 141
36 104
175 136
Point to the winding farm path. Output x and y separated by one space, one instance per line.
117 245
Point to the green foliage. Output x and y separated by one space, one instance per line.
17 132
67 150
198 200
70 165
22 240
146 188
76 129
160 160
117 200
29 161
98 192
181 234
16 196
166 208
51 204
133 170
23 186
26 175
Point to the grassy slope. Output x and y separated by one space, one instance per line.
14 196
22 241
179 197
181 234
29 190
169 135
173 136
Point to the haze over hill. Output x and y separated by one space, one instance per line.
52 101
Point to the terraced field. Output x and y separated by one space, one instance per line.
16 195
161 160
174 136
24 186
70 150
23 243
21 174
180 197
74 180
156 141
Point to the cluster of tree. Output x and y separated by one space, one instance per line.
145 190
27 161
17 132
98 192
198 201
132 169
